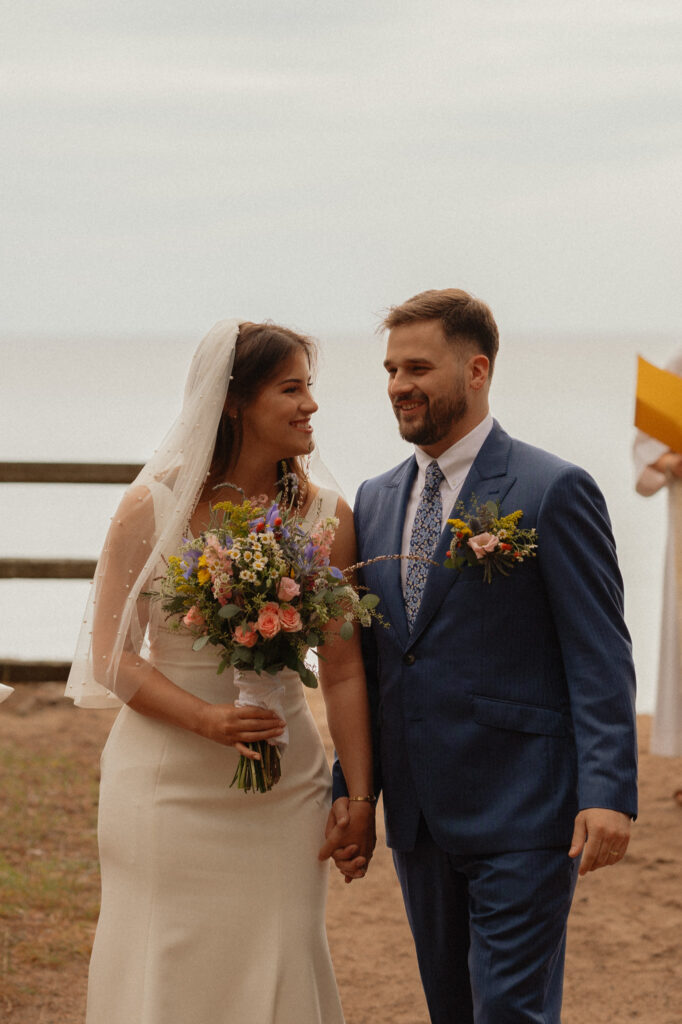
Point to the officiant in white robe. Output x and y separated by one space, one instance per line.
656 466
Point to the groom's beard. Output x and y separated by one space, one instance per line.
440 415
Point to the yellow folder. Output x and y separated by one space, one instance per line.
658 409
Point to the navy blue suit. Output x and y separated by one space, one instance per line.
508 709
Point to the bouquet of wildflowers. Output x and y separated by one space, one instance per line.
486 539
259 587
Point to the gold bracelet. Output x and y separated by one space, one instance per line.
363 799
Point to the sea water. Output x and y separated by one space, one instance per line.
111 400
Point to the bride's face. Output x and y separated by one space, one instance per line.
277 422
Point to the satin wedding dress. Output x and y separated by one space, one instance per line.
666 731
213 900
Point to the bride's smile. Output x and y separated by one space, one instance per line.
278 420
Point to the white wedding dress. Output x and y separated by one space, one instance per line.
666 731
213 900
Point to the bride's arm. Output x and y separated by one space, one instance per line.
342 679
160 698
134 679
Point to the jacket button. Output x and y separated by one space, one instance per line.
409 659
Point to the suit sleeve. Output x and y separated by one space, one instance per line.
577 560
370 660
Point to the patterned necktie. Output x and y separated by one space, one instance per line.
428 524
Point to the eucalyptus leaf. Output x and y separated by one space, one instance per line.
242 658
199 643
228 611
369 601
346 631
308 678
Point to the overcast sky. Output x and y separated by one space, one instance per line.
166 163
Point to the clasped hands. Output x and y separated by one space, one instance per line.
350 837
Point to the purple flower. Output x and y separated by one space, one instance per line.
190 559
272 514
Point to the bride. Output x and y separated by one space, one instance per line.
212 900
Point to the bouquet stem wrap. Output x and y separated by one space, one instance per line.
260 692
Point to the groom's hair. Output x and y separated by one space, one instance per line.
463 317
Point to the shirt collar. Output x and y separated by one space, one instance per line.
456 461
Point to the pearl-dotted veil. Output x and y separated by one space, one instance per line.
108 666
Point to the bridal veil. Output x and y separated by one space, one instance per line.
150 520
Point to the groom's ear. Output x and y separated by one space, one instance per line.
478 368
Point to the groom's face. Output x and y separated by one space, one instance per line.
426 384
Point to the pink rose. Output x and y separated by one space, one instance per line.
194 617
289 618
287 589
268 621
246 635
483 543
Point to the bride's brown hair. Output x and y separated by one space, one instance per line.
260 352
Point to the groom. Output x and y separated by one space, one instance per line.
503 712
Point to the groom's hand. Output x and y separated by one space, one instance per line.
350 857
602 836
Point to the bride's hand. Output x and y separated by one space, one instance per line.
234 727
350 837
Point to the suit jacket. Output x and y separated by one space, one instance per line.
510 706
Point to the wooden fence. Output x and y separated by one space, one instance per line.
25 671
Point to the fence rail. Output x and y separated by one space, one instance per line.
47 568
68 472
14 671
32 671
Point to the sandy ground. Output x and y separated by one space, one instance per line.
625 933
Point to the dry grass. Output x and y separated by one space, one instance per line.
49 877
623 955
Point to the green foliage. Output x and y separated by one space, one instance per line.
346 631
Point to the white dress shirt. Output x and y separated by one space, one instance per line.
454 464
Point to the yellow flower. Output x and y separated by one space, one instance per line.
509 522
203 575
458 524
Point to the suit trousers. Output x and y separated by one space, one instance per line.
489 930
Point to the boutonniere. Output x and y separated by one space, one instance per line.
484 538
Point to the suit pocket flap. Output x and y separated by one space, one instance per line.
504 714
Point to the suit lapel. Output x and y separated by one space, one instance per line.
487 480
395 503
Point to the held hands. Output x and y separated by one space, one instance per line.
234 727
350 837
603 835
